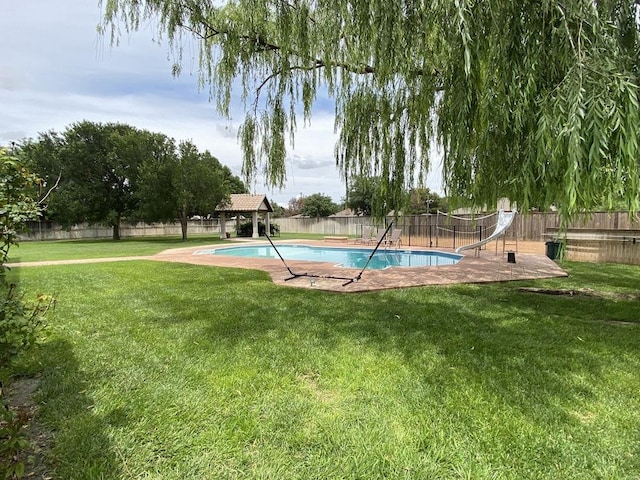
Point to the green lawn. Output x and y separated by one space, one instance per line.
103 248
170 371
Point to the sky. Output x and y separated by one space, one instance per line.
55 70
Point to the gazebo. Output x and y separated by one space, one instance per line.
245 203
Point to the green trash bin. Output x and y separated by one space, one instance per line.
553 250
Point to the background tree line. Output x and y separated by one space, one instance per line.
365 196
106 173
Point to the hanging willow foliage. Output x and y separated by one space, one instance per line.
533 100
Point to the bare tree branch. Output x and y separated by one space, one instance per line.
42 200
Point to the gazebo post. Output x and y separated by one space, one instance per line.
223 225
255 225
244 203
267 223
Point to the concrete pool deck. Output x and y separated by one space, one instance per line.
487 267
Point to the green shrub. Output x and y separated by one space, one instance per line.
11 441
246 229
20 322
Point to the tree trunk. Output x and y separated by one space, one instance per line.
183 226
116 228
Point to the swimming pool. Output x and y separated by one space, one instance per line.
345 257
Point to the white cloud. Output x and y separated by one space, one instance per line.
227 131
304 162
10 80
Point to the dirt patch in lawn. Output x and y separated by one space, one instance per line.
583 292
21 394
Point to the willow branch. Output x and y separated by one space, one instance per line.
260 44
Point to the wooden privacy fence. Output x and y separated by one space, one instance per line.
52 231
600 245
599 237
529 227
418 230
350 226
604 250
537 225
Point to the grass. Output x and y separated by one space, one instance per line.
172 371
105 248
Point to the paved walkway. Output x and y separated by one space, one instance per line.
487 267
78 261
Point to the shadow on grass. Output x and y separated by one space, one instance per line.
607 276
527 348
529 352
488 346
87 450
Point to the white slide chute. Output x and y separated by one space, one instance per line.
505 219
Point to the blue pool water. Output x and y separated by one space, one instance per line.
346 257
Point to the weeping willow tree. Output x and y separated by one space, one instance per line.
534 100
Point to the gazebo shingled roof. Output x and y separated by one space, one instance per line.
244 202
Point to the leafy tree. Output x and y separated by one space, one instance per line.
278 210
536 101
18 187
95 166
610 203
364 197
422 200
155 185
180 182
232 183
294 207
318 205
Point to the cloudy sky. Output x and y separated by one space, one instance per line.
56 70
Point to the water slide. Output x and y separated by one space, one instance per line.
505 219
